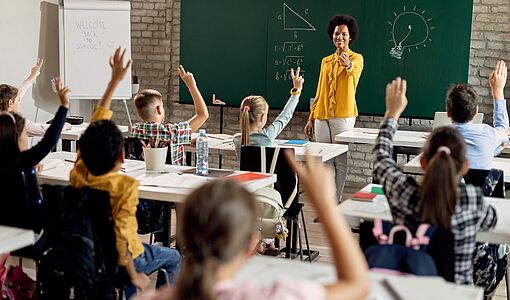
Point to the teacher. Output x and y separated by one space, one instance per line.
334 108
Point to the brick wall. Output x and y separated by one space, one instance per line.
155 47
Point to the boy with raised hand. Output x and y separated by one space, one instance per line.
483 141
150 108
10 100
100 156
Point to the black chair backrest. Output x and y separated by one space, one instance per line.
286 180
477 178
133 149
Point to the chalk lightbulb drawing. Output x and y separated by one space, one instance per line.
409 30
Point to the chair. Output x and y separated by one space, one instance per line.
272 160
133 149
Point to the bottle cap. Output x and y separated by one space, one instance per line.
201 131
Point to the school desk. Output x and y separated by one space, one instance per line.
402 138
413 166
354 211
12 238
222 144
266 270
173 185
76 131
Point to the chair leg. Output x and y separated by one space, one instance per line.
507 282
306 235
300 240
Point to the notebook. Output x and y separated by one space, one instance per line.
295 143
363 196
248 176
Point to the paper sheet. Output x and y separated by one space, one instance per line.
173 180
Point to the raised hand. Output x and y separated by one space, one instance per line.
297 79
36 69
396 99
187 77
497 80
344 59
63 92
119 70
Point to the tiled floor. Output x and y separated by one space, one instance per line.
317 238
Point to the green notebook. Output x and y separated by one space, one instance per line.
377 190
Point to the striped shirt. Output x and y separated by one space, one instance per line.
471 215
178 135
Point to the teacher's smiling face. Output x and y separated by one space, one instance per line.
341 38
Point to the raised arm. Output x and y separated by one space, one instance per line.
351 267
201 112
119 71
497 81
275 128
25 85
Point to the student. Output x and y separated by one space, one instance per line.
254 111
20 192
10 100
150 108
441 199
100 155
483 141
218 229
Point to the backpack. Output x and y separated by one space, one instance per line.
17 284
270 213
81 262
410 257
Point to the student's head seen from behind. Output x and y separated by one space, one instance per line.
217 228
444 161
13 139
254 111
102 147
461 103
8 95
149 106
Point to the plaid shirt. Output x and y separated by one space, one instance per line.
471 214
178 134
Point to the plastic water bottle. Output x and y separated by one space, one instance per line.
202 161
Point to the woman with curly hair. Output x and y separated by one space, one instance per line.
334 109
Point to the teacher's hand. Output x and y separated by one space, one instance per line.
344 59
297 79
309 129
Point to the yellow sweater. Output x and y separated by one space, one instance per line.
123 199
336 89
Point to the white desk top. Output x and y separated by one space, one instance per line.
222 144
12 238
403 138
265 270
354 211
76 131
413 166
175 185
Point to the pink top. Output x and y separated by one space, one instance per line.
282 289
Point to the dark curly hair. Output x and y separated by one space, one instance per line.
461 102
346 20
100 146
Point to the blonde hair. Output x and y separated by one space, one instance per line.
251 108
146 102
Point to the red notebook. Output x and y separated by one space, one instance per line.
363 196
247 176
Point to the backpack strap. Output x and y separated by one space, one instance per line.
397 228
421 238
274 160
377 230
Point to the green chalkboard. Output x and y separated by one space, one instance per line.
239 48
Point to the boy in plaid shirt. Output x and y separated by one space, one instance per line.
150 108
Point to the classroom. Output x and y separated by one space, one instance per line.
291 149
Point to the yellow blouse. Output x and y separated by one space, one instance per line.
123 199
336 89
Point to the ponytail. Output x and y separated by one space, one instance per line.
444 155
197 280
439 190
245 126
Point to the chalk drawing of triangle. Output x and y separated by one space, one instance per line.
293 21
